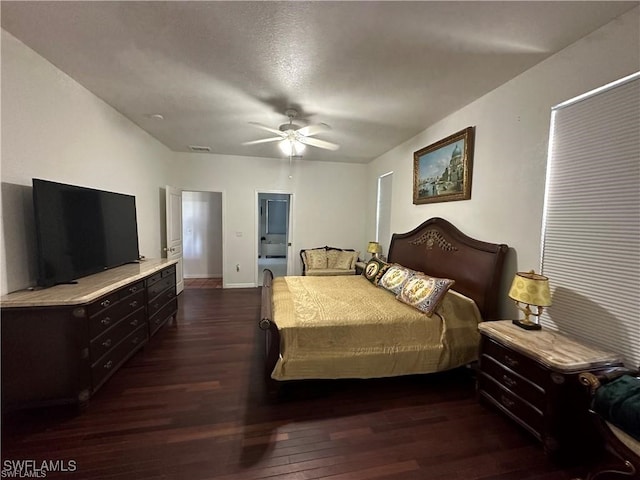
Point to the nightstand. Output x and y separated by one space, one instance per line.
360 266
532 377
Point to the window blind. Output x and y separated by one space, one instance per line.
591 226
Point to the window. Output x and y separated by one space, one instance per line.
591 231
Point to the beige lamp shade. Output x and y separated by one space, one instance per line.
374 247
531 288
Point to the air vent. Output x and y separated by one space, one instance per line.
199 148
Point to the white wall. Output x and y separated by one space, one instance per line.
55 129
512 129
328 203
202 234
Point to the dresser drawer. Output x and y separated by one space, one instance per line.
113 336
157 320
108 317
513 381
153 279
131 289
516 362
158 287
168 271
518 409
160 301
103 303
116 356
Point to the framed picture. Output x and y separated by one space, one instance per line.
442 171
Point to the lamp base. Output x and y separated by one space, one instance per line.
527 325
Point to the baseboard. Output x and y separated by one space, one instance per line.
240 285
207 275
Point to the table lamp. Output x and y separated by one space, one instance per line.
374 249
530 289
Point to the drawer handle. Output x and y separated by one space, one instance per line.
108 365
170 295
105 303
107 343
134 322
156 305
507 402
158 320
135 340
508 381
512 362
134 304
106 321
133 289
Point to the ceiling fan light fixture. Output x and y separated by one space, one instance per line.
291 147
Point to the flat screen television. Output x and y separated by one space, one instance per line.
81 231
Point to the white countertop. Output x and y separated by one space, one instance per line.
88 288
549 347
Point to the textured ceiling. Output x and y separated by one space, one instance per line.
377 72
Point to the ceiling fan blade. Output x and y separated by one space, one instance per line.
311 130
268 129
264 140
314 142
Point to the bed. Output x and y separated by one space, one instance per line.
346 327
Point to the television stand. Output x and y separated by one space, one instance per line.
61 344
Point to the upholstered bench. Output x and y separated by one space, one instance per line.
328 261
615 406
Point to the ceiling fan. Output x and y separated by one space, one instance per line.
293 138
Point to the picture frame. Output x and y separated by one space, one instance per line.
442 171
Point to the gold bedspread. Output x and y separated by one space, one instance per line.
345 327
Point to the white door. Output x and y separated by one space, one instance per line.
174 232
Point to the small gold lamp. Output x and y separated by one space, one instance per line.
374 249
530 289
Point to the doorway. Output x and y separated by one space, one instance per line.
383 212
202 239
274 221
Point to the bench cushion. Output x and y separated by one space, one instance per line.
618 402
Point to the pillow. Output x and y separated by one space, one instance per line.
316 258
395 277
375 269
354 259
344 260
332 258
424 292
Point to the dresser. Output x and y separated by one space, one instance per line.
532 377
61 344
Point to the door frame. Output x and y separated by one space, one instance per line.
171 252
223 206
290 237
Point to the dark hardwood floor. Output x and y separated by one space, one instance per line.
192 405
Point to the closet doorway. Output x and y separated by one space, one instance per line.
202 239
274 239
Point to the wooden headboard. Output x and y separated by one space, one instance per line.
439 249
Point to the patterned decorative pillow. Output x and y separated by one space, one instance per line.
354 259
316 258
395 277
374 270
332 258
344 260
424 292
